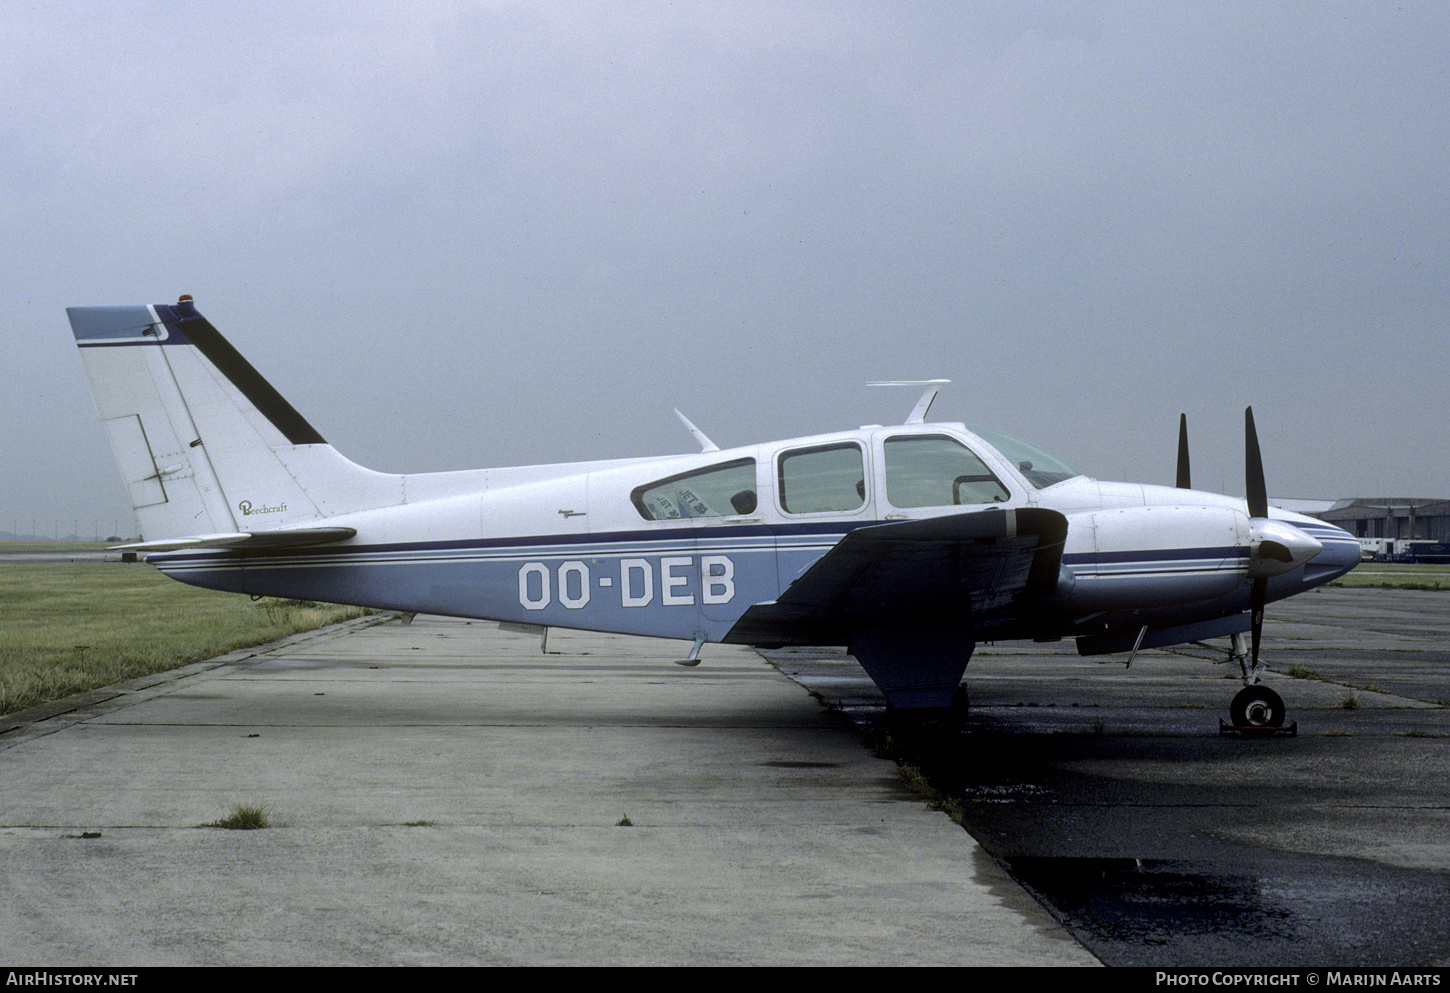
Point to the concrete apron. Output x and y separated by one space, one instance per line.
443 793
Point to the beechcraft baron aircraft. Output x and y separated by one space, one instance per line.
907 544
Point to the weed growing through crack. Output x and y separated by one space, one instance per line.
243 817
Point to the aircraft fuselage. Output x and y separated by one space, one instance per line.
572 546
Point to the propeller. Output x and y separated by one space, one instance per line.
1183 480
1275 547
1256 494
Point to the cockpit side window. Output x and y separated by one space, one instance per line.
937 471
826 478
720 491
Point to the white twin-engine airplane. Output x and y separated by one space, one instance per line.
907 544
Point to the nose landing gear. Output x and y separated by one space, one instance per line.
1256 710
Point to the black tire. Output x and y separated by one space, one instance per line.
1257 707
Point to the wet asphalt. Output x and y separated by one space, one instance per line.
1113 797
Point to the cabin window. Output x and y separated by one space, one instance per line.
720 491
828 478
937 471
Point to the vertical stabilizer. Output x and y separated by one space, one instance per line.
204 443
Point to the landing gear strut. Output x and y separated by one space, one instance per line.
1256 709
928 722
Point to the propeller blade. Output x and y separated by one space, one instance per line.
1255 491
1183 480
1256 619
1256 494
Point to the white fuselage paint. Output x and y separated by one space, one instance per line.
565 545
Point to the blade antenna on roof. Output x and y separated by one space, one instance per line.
933 386
706 445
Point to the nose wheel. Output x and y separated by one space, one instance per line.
1257 710
1257 707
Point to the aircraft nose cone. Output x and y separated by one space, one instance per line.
1339 555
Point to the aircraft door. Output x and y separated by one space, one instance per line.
821 492
930 471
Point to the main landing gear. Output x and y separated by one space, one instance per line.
929 723
1256 710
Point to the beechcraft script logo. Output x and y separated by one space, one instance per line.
248 510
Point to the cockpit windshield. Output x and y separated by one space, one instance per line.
1040 468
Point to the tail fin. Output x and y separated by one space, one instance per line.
205 445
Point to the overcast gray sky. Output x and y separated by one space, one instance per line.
468 233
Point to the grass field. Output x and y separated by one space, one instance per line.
66 628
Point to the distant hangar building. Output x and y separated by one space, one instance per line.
1404 518
1393 521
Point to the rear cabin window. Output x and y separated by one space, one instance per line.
823 479
720 491
937 471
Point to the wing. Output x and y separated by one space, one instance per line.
965 569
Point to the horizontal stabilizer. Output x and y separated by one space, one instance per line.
291 538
